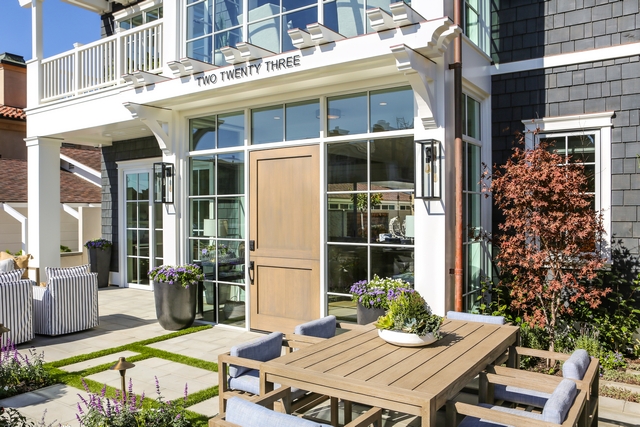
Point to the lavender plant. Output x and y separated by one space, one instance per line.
185 275
101 244
377 292
20 373
102 411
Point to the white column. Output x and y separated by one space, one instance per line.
34 72
43 166
171 30
36 29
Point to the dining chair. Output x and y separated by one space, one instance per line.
564 407
258 412
579 367
16 309
470 317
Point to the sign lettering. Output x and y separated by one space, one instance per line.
247 70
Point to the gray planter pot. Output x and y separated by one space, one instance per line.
175 305
100 260
368 315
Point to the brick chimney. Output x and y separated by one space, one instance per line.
13 80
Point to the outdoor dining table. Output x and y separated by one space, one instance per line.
360 367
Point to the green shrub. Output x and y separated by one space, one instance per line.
612 361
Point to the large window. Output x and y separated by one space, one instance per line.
212 24
289 122
150 13
476 23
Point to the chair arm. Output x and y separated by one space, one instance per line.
544 354
526 376
300 341
540 382
227 359
220 422
347 325
270 398
373 415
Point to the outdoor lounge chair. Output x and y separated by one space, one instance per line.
68 303
563 407
258 412
579 367
16 310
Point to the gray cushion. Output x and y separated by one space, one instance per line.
7 265
249 414
321 328
576 366
558 405
481 318
521 396
261 349
250 382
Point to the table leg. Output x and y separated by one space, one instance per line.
428 414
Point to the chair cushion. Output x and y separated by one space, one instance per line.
67 271
480 422
7 265
521 396
320 328
576 366
249 414
470 317
558 405
22 261
250 382
11 276
262 349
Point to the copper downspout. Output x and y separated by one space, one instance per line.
457 93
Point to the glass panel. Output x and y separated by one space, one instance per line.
347 114
391 109
200 49
266 34
230 265
143 266
208 295
227 14
132 215
473 118
389 212
203 133
347 265
153 15
347 166
474 219
259 9
346 18
143 215
132 187
199 20
298 19
201 210
582 148
157 215
472 28
397 263
294 4
474 266
473 168
125 25
132 270
231 173
266 125
555 144
343 308
590 172
226 38
159 246
231 215
231 303
302 120
143 186
349 223
392 163
143 236
202 176
132 242
136 21
231 129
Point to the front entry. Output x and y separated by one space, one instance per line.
285 234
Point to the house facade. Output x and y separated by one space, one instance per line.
291 148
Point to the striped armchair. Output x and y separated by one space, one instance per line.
16 311
69 303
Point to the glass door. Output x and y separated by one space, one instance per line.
143 230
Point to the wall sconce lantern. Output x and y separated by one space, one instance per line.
428 180
163 182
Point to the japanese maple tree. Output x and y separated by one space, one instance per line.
550 242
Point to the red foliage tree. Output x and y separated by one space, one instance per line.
550 243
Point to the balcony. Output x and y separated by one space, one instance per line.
101 64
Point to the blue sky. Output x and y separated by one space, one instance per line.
64 25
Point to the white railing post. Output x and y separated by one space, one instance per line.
77 69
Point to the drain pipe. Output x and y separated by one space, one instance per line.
457 94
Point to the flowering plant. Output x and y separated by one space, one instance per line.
377 292
101 244
101 411
185 275
210 250
410 313
21 373
13 418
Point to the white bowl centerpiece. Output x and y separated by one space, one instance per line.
409 322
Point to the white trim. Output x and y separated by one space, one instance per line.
592 55
135 9
579 121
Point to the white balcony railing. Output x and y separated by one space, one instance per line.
102 63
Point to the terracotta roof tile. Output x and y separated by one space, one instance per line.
88 156
12 113
72 188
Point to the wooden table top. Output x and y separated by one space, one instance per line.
361 367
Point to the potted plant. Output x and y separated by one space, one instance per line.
175 293
372 297
409 322
100 259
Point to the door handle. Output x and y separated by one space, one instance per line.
251 272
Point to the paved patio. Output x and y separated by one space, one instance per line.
128 316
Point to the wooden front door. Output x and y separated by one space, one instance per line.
285 233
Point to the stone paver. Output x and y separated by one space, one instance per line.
112 358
